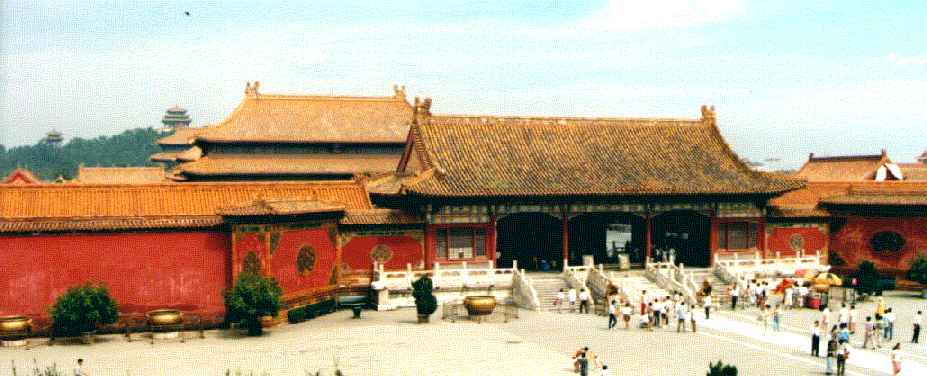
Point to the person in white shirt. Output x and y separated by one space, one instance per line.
612 314
816 339
707 303
558 303
825 319
606 371
681 317
896 359
626 311
571 297
889 330
917 327
79 370
803 294
854 318
843 316
735 294
787 299
584 301
751 289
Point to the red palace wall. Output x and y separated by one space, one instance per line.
278 248
811 239
144 271
399 250
851 241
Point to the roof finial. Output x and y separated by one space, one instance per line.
257 87
884 153
248 88
400 92
708 114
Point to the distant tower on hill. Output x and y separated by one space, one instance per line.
53 138
175 117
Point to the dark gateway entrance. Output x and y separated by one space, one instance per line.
605 236
686 232
534 239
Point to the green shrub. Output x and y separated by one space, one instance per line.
296 315
867 278
918 272
81 309
835 259
251 297
721 369
425 301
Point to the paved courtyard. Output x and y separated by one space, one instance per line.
536 343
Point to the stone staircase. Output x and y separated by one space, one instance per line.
634 283
547 285
719 293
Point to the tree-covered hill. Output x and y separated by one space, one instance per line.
129 148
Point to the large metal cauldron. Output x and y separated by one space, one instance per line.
161 317
480 305
14 324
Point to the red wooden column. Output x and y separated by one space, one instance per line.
491 239
713 238
761 236
429 247
565 223
648 242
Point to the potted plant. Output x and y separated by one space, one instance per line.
81 309
250 300
918 273
721 369
425 301
867 278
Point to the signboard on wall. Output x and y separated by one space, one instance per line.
617 235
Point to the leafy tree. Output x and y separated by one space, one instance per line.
81 309
918 272
425 301
721 369
129 148
251 297
867 278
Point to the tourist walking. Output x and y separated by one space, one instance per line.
869 333
681 317
583 365
843 316
878 325
803 292
825 318
579 354
843 353
917 327
644 302
612 314
776 318
626 311
816 339
764 317
558 301
880 306
889 331
650 316
843 335
606 371
830 356
787 298
735 294
571 296
854 318
707 303
751 292
896 359
584 298
658 313
79 370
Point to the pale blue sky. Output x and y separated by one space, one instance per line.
787 77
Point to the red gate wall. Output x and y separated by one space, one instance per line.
852 241
779 240
403 249
144 271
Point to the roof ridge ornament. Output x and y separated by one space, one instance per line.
252 90
400 92
708 114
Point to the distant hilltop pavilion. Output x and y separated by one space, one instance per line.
174 118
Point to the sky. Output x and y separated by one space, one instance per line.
787 78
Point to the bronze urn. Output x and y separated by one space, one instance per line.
14 324
480 305
160 317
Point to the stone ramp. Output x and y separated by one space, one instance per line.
634 283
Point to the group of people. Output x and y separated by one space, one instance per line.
877 327
760 293
584 361
584 298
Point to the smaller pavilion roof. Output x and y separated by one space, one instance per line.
288 164
120 175
21 176
263 207
842 168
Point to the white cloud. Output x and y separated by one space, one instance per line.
907 60
635 15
